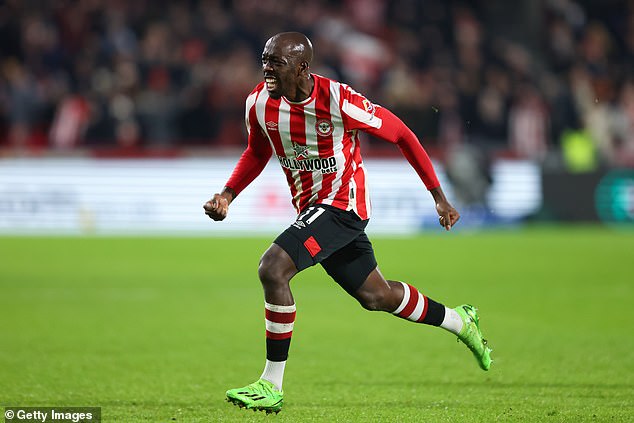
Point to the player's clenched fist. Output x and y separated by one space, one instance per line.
217 207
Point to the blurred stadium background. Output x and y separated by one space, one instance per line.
123 117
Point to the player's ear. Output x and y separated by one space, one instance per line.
303 67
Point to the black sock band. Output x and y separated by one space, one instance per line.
435 313
277 349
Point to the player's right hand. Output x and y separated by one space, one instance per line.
217 207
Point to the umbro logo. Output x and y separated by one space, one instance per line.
272 126
299 224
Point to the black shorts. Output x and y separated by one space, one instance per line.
336 239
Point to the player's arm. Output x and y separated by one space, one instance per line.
249 166
395 131
359 113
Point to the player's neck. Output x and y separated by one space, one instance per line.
304 89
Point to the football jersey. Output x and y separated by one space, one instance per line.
316 143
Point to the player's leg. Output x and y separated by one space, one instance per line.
317 232
354 268
275 271
405 301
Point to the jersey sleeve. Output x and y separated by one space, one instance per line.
257 154
359 113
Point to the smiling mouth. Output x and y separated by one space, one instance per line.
271 83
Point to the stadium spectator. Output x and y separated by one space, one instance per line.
529 124
180 54
24 102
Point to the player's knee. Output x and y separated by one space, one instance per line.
273 269
372 301
268 273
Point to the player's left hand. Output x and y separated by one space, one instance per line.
447 215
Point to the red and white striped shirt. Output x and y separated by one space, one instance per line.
316 142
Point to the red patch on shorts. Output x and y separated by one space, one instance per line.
312 246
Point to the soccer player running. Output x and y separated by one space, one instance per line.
311 123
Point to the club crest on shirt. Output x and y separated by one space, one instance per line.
301 151
324 127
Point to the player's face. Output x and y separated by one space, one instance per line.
280 71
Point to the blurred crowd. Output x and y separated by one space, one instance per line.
525 78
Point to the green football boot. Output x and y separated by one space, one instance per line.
471 335
258 396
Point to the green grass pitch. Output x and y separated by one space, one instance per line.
156 329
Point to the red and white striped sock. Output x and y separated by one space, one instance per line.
279 321
413 306
418 308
